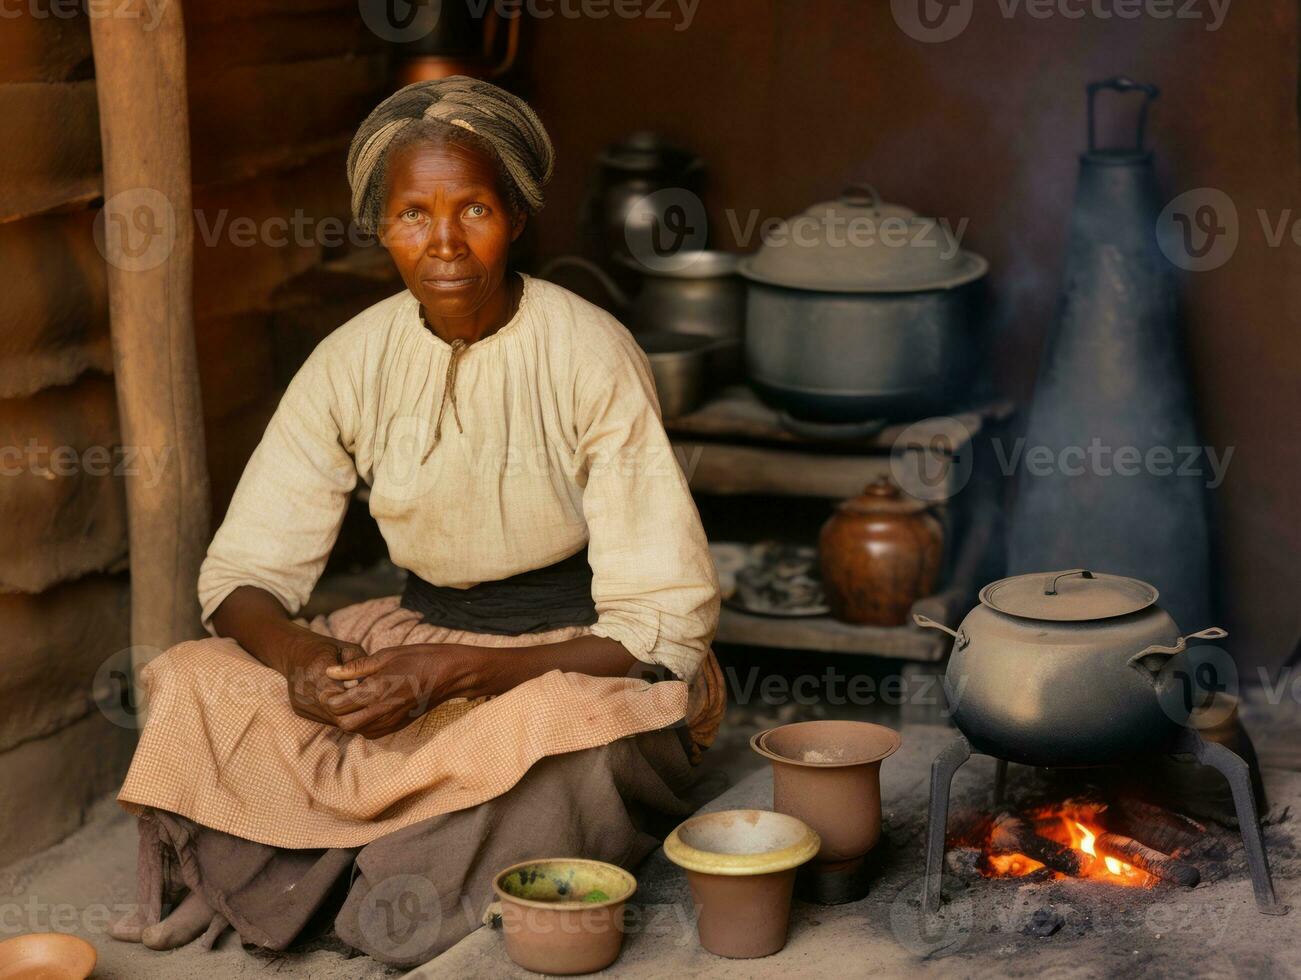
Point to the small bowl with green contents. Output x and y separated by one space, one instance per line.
563 915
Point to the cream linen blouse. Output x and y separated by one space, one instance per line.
560 444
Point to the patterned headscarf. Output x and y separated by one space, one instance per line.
501 120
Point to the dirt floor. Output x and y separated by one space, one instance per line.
82 884
987 928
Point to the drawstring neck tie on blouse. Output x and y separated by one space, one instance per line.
449 393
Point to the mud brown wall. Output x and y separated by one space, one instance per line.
276 88
789 100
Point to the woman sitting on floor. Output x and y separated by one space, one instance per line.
398 752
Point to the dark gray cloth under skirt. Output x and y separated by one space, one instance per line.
411 894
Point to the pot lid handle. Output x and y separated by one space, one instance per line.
1050 585
861 194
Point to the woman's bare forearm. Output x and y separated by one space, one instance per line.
496 670
256 620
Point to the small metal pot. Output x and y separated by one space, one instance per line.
1070 668
678 362
698 293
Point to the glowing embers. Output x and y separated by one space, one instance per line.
1075 839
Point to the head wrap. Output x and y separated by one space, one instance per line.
503 121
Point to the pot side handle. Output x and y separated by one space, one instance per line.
960 638
603 278
1153 658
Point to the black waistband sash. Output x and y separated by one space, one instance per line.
530 602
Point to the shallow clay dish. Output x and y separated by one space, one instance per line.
741 867
46 956
828 774
563 915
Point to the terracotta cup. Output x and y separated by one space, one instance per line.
563 915
828 774
46 956
741 868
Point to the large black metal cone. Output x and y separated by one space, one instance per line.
1112 378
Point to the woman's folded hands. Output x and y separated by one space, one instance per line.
309 685
391 688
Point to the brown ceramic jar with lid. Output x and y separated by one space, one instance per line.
880 552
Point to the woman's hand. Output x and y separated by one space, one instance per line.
395 686
305 667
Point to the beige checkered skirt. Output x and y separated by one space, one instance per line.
221 746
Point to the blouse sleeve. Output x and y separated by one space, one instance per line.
653 579
290 502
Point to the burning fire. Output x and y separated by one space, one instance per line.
1073 825
1087 837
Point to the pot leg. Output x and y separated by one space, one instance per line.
1000 781
942 769
1235 770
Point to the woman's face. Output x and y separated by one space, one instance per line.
448 224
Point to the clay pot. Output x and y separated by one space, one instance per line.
828 774
46 956
563 915
741 867
880 552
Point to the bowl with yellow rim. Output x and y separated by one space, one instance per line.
741 867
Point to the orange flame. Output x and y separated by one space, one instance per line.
1087 837
1075 825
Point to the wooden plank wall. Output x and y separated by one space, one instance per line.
276 89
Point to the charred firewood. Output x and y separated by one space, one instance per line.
1161 829
1012 835
1146 859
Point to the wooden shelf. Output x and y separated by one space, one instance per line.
829 635
737 414
735 444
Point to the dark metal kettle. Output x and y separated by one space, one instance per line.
1112 402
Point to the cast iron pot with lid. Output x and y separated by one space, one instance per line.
1072 668
861 310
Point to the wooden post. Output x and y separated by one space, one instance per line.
147 237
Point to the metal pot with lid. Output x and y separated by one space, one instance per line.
860 309
1070 668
